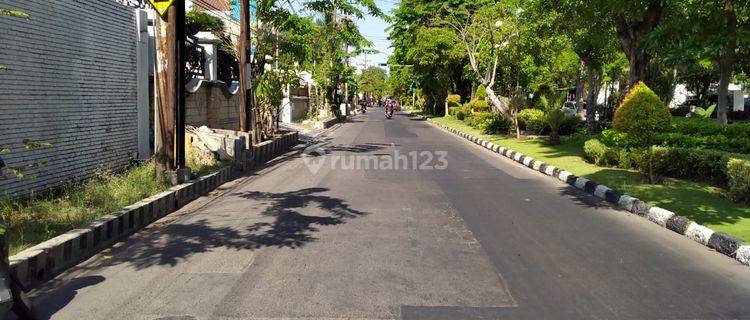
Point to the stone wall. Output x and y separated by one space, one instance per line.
213 106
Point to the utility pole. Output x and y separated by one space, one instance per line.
346 84
170 93
180 106
166 89
243 52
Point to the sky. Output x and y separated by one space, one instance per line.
374 30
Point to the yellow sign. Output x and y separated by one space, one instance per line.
161 6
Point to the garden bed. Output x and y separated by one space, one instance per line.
702 203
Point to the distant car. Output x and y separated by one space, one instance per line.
569 108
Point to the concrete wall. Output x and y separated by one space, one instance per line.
71 81
213 106
294 109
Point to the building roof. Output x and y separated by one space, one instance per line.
212 5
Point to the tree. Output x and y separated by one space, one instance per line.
593 39
408 19
373 82
339 31
718 31
436 59
482 34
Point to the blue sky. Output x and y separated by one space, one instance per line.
374 30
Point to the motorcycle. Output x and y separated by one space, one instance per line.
389 111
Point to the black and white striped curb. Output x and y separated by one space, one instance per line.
718 241
49 258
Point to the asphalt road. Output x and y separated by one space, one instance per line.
321 236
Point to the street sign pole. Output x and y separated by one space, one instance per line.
244 58
169 121
180 105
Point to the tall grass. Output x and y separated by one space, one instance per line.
201 162
35 220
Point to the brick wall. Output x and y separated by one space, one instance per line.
70 82
213 106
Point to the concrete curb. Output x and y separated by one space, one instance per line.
325 124
47 259
721 242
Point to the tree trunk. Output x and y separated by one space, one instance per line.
500 103
631 31
726 65
638 63
554 136
579 83
595 80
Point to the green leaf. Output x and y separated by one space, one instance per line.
15 13
709 111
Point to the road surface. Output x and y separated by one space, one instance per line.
476 237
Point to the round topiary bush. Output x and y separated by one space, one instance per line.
453 100
479 106
641 116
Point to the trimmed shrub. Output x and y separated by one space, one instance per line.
613 138
570 125
716 142
460 115
641 115
532 120
599 154
697 165
695 126
477 118
625 159
495 124
738 172
453 100
479 106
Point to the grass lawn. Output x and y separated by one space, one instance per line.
699 202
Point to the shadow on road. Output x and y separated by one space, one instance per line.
284 226
63 295
583 198
292 228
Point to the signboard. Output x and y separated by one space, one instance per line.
161 6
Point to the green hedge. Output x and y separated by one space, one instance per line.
532 120
698 165
719 168
599 154
739 180
716 142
